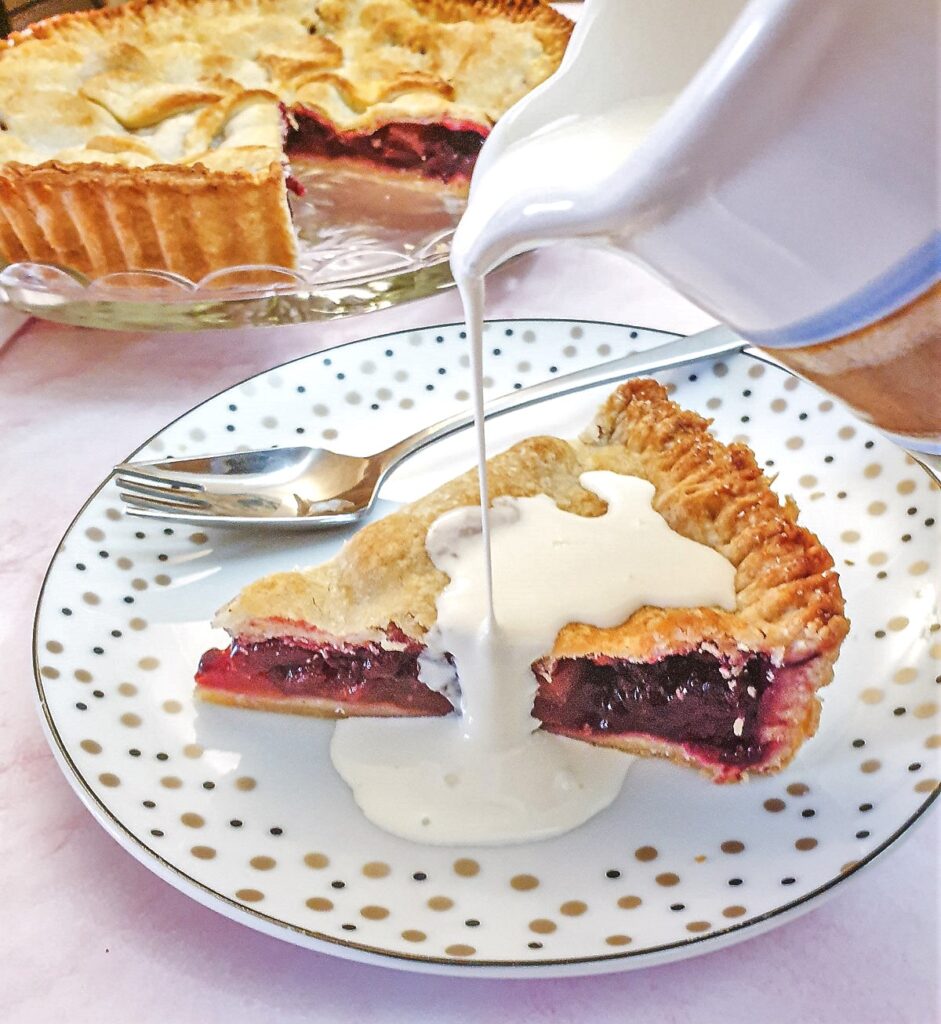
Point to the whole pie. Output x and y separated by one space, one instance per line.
729 692
157 135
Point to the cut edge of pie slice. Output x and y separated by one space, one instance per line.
730 693
102 193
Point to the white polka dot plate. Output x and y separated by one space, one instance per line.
242 811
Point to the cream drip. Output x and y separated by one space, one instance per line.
487 776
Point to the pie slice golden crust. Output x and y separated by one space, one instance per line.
155 135
727 692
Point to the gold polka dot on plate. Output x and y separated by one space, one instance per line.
172 707
148 664
171 782
850 536
48 672
876 508
374 913
618 940
93 533
905 486
871 695
848 866
245 783
376 869
793 443
918 568
927 786
203 852
192 820
413 935
316 860
542 926
646 853
734 911
466 867
90 746
805 844
127 689
440 903
192 751
629 902
926 710
870 766
905 675
573 908
109 779
131 720
933 742
668 878
319 903
845 433
778 405
91 598
460 949
774 805
263 863
249 895
54 647
798 789
897 622
524 882
162 580
732 846
698 926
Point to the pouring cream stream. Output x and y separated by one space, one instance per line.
523 569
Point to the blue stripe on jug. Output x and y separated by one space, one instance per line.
898 286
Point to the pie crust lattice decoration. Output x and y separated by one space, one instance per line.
156 135
730 693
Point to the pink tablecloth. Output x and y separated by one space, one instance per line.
90 935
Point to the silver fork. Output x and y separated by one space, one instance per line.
308 488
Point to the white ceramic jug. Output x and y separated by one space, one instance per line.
790 186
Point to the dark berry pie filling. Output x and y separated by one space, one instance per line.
445 151
366 674
713 708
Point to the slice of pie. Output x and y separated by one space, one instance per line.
727 692
156 135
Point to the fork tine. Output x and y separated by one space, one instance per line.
187 497
154 476
159 504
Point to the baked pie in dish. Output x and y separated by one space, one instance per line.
157 135
728 692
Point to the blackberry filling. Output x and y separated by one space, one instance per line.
443 152
709 706
367 674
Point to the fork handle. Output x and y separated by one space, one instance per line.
716 341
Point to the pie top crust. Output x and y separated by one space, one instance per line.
201 82
789 603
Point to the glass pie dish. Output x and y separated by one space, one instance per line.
366 242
